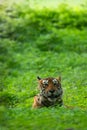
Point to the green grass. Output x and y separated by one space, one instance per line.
51 4
42 42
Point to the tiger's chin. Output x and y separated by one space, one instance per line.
52 99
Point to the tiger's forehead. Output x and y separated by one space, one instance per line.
46 81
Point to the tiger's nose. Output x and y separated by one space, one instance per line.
52 91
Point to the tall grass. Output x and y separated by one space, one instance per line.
45 42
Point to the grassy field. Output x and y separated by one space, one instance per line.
42 42
47 3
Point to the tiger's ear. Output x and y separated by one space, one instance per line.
38 78
59 78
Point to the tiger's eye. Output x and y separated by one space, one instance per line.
55 82
45 82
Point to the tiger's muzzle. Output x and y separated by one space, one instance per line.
53 95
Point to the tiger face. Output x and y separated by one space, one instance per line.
50 88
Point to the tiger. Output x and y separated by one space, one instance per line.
50 92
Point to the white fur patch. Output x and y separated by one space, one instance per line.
45 82
55 81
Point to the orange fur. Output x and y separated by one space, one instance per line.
50 92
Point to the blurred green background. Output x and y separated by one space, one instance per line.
42 38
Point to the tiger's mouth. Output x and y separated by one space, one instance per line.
52 98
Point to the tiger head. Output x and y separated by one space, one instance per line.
50 88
